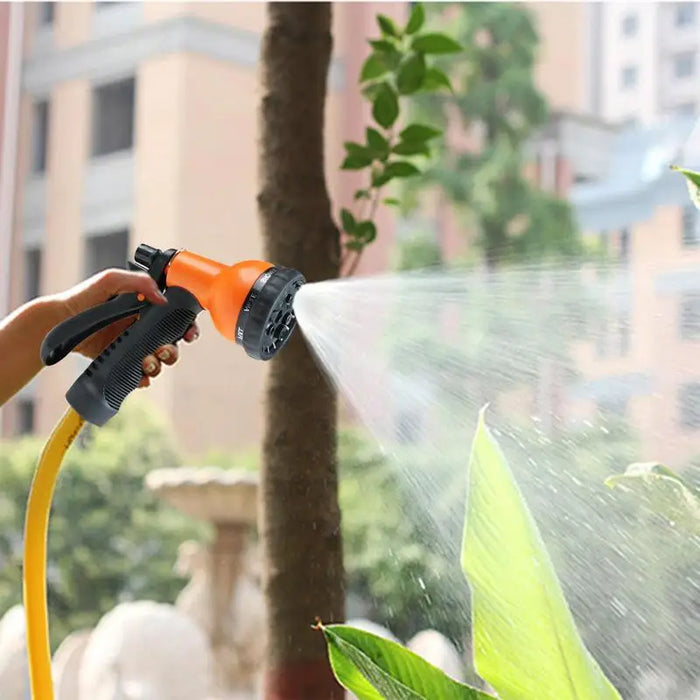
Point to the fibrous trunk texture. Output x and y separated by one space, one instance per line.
300 523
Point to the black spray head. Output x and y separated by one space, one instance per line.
267 319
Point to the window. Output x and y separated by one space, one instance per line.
625 238
624 333
25 416
629 25
690 316
684 64
691 234
40 136
689 405
686 109
32 273
685 13
602 338
106 250
113 117
614 335
628 77
613 406
45 13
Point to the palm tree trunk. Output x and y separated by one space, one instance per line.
300 525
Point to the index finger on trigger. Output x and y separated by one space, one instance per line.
119 281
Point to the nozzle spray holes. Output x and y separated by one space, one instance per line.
267 318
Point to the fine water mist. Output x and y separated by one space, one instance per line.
584 372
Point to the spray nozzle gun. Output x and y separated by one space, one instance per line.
249 302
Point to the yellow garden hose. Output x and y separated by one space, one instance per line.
34 569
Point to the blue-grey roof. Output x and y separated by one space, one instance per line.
638 178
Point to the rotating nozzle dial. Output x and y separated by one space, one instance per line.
267 319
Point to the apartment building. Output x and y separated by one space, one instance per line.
649 64
137 122
621 61
625 79
643 361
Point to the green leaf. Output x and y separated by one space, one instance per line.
419 133
416 20
401 168
371 90
355 245
386 106
348 221
692 180
355 162
526 644
373 668
357 149
373 67
436 79
391 202
411 74
362 194
383 45
663 491
366 231
387 25
411 148
435 44
380 178
376 141
387 53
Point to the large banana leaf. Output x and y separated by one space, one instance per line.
526 645
664 492
373 668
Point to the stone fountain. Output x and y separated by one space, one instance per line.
223 595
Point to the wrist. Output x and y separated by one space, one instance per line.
48 311
21 336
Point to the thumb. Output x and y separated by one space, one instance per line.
118 281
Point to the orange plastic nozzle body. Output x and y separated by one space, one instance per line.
220 289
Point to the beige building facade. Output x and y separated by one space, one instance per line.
624 80
624 62
138 123
642 363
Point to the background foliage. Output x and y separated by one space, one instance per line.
400 65
496 101
109 539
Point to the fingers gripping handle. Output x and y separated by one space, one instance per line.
100 390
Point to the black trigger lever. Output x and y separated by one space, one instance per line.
71 332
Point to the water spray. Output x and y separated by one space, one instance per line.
250 303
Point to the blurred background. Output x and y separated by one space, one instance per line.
125 122
130 122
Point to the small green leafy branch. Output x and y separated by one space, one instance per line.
397 68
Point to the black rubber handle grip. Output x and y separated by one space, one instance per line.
100 390
65 336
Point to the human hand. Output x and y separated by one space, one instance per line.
98 289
